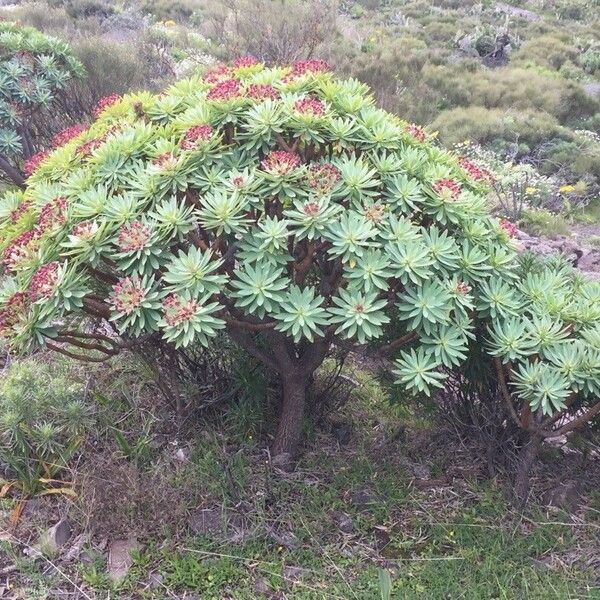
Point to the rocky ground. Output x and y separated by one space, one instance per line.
582 247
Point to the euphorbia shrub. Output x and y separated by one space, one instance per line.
281 206
35 72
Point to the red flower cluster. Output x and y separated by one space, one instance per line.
127 295
66 135
462 288
417 132
177 310
262 91
301 67
198 133
88 147
44 282
12 312
224 90
84 230
374 213
18 212
510 228
104 103
448 188
309 106
34 162
311 209
322 177
53 213
165 160
280 162
245 61
218 73
20 248
475 172
133 236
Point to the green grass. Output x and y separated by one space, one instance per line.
590 214
479 552
462 540
544 222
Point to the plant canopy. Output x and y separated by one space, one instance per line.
281 206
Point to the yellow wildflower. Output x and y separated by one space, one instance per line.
566 189
169 23
530 190
466 142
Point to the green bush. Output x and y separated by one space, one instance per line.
550 50
53 19
576 10
281 207
510 89
271 30
43 417
544 222
177 10
489 126
590 60
83 9
113 68
35 74
393 64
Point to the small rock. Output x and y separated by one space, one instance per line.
292 573
592 89
590 261
120 559
238 535
344 522
382 537
421 472
86 558
287 539
261 586
363 498
182 455
564 496
53 539
206 521
74 551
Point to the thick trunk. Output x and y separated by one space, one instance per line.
289 429
12 172
528 457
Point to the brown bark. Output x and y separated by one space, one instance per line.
289 429
12 172
528 457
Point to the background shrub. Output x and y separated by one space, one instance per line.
35 74
271 30
43 418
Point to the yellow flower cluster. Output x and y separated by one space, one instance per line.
566 189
